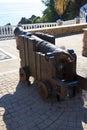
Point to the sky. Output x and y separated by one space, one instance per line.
11 11
1 1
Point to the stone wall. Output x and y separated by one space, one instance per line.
84 52
61 30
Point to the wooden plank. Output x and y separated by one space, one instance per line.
38 66
46 68
21 51
26 51
31 58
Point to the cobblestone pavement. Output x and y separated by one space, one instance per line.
22 108
7 37
12 64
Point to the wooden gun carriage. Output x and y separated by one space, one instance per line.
52 67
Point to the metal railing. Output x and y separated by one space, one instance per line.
6 32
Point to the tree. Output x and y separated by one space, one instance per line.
32 19
49 14
55 9
25 21
78 4
69 12
68 9
37 19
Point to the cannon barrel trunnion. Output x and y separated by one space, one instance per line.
52 67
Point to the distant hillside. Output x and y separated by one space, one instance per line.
32 19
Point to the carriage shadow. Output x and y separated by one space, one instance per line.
25 110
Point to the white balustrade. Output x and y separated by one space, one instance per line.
38 25
7 31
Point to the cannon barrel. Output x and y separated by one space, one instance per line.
48 49
40 45
20 31
46 37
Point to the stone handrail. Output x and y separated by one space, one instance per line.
61 30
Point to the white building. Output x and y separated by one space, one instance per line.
83 11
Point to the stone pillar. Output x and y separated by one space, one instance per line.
77 19
84 52
59 22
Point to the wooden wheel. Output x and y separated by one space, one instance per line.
62 93
45 89
24 74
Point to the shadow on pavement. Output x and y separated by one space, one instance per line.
25 110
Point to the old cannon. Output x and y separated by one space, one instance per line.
52 67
